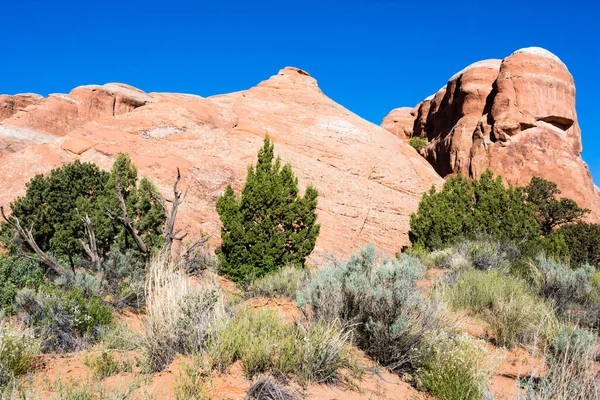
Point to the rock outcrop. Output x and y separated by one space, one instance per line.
369 181
515 116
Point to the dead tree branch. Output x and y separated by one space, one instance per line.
170 234
27 236
125 221
92 249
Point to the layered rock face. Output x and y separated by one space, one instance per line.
515 116
27 118
369 181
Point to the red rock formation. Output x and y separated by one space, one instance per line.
369 181
516 116
10 105
400 122
61 113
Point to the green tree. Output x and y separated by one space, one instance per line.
49 206
54 205
145 210
445 216
583 240
552 212
465 209
270 225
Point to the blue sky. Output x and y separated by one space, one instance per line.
370 56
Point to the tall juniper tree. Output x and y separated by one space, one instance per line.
270 225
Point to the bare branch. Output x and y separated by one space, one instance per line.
125 218
27 235
92 249
198 243
169 233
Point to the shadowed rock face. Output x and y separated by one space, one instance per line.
515 116
369 181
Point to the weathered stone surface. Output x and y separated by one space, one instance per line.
516 116
10 105
400 122
369 181
61 113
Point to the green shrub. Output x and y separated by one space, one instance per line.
562 285
583 241
18 351
264 343
193 381
481 208
17 273
119 337
380 296
63 320
522 319
105 364
571 373
418 143
481 290
281 284
178 315
54 205
453 368
270 225
516 315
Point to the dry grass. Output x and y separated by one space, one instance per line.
178 314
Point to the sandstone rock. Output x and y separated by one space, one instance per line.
10 105
516 116
400 122
77 145
369 181
61 113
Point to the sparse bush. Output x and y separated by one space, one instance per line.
563 285
418 143
63 321
453 367
281 284
178 315
522 319
86 283
270 225
17 273
119 337
443 258
488 253
124 277
571 373
267 388
193 380
17 353
105 364
200 258
263 342
516 315
380 296
481 290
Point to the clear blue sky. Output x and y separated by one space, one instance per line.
370 56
